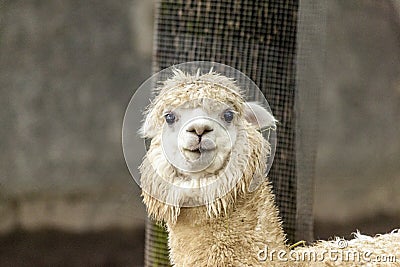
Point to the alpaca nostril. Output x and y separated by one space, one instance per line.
199 130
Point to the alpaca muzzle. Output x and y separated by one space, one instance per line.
196 141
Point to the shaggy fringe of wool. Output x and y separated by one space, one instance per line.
241 227
363 250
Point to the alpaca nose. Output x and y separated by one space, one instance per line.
199 128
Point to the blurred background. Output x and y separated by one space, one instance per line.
67 71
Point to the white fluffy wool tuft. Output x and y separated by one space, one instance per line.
363 250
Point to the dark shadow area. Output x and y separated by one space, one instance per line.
371 225
118 247
59 248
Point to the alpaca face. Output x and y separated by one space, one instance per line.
197 139
205 148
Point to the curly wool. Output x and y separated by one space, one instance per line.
183 89
237 175
363 250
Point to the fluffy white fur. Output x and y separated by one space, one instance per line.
199 186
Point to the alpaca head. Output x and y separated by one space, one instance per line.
205 145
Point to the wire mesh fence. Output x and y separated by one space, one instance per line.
259 38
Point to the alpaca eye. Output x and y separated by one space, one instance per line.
228 115
170 118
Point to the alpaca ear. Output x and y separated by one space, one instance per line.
259 116
148 130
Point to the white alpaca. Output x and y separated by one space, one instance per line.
205 150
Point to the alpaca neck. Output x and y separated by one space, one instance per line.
230 240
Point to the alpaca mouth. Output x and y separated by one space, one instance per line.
195 154
192 154
197 150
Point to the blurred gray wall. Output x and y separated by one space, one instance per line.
358 162
68 69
